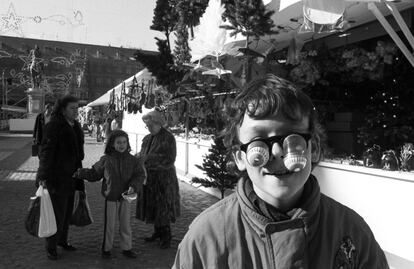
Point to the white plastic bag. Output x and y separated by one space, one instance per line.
47 222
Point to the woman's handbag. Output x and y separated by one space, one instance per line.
81 215
35 150
31 222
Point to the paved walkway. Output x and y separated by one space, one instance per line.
20 250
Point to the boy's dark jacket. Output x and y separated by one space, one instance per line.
119 172
321 233
60 156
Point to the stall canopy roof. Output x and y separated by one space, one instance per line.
288 18
141 76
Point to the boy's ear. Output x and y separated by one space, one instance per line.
316 149
239 160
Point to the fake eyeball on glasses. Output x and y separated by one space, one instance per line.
257 154
294 148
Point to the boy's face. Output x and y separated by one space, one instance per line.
273 182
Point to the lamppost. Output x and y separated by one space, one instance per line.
35 98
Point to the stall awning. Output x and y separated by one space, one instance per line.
102 100
288 18
142 76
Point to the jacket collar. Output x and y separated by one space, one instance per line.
306 215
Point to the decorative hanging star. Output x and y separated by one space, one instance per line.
217 71
11 21
27 61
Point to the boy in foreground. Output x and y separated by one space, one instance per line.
277 217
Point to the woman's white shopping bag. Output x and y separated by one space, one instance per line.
47 221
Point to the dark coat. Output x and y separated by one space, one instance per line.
159 203
320 233
60 156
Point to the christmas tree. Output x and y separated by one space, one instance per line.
215 166
389 118
165 18
161 66
248 17
190 11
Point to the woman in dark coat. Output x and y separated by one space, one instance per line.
159 203
60 156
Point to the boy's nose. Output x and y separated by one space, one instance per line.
276 158
277 151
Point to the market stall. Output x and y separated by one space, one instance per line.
347 55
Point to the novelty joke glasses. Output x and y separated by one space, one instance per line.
294 147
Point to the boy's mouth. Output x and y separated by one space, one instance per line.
280 173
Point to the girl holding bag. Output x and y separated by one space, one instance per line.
123 175
60 156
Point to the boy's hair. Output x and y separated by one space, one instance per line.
271 96
109 147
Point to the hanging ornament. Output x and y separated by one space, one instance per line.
323 16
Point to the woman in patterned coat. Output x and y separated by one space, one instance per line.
159 203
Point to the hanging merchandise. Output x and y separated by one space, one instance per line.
123 97
111 105
142 100
323 16
117 103
151 96
159 98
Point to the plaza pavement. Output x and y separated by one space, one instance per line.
20 250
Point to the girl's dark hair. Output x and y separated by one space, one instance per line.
271 96
109 148
62 103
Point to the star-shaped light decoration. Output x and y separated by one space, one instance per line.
27 61
11 21
197 67
218 70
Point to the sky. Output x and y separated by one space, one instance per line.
102 22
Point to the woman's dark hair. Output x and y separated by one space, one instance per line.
109 148
62 103
271 96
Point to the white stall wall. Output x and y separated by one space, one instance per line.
22 125
135 127
384 199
